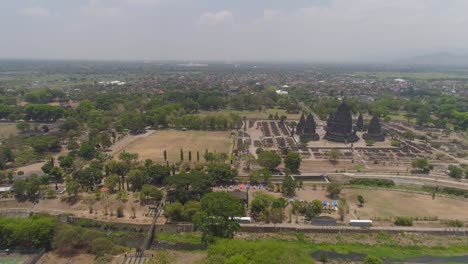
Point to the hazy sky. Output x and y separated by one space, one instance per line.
312 30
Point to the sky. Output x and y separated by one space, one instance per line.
234 30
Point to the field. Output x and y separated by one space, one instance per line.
153 146
7 130
13 259
383 203
255 114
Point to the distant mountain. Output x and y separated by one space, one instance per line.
442 59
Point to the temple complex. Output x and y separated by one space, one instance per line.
360 123
340 126
374 132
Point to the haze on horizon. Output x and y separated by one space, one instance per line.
270 30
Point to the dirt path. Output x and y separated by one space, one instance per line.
128 139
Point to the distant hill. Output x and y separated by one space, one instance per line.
442 59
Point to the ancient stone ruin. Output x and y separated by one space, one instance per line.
360 123
308 132
340 125
374 131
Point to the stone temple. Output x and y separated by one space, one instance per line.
374 130
340 125
360 123
308 130
300 125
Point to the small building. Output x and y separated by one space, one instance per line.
323 221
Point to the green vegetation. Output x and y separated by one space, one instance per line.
34 232
292 161
278 251
267 208
403 221
383 183
269 160
216 217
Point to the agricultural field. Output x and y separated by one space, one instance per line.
153 146
7 130
388 203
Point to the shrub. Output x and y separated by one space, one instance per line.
120 211
403 221
454 223
396 143
384 183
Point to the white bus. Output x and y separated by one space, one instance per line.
361 223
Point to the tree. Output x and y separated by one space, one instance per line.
314 209
87 150
72 187
216 218
373 260
269 160
422 164
65 162
111 182
455 172
157 174
334 189
133 121
150 192
88 177
174 211
188 186
120 168
165 155
221 172
360 199
334 154
128 157
181 155
57 174
260 175
343 208
289 186
292 161
42 144
136 177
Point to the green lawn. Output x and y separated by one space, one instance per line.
12 260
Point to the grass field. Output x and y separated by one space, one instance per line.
13 260
153 146
255 114
382 203
7 130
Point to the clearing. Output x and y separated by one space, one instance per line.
153 146
388 203
7 130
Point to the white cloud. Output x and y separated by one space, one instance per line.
216 18
97 9
34 11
